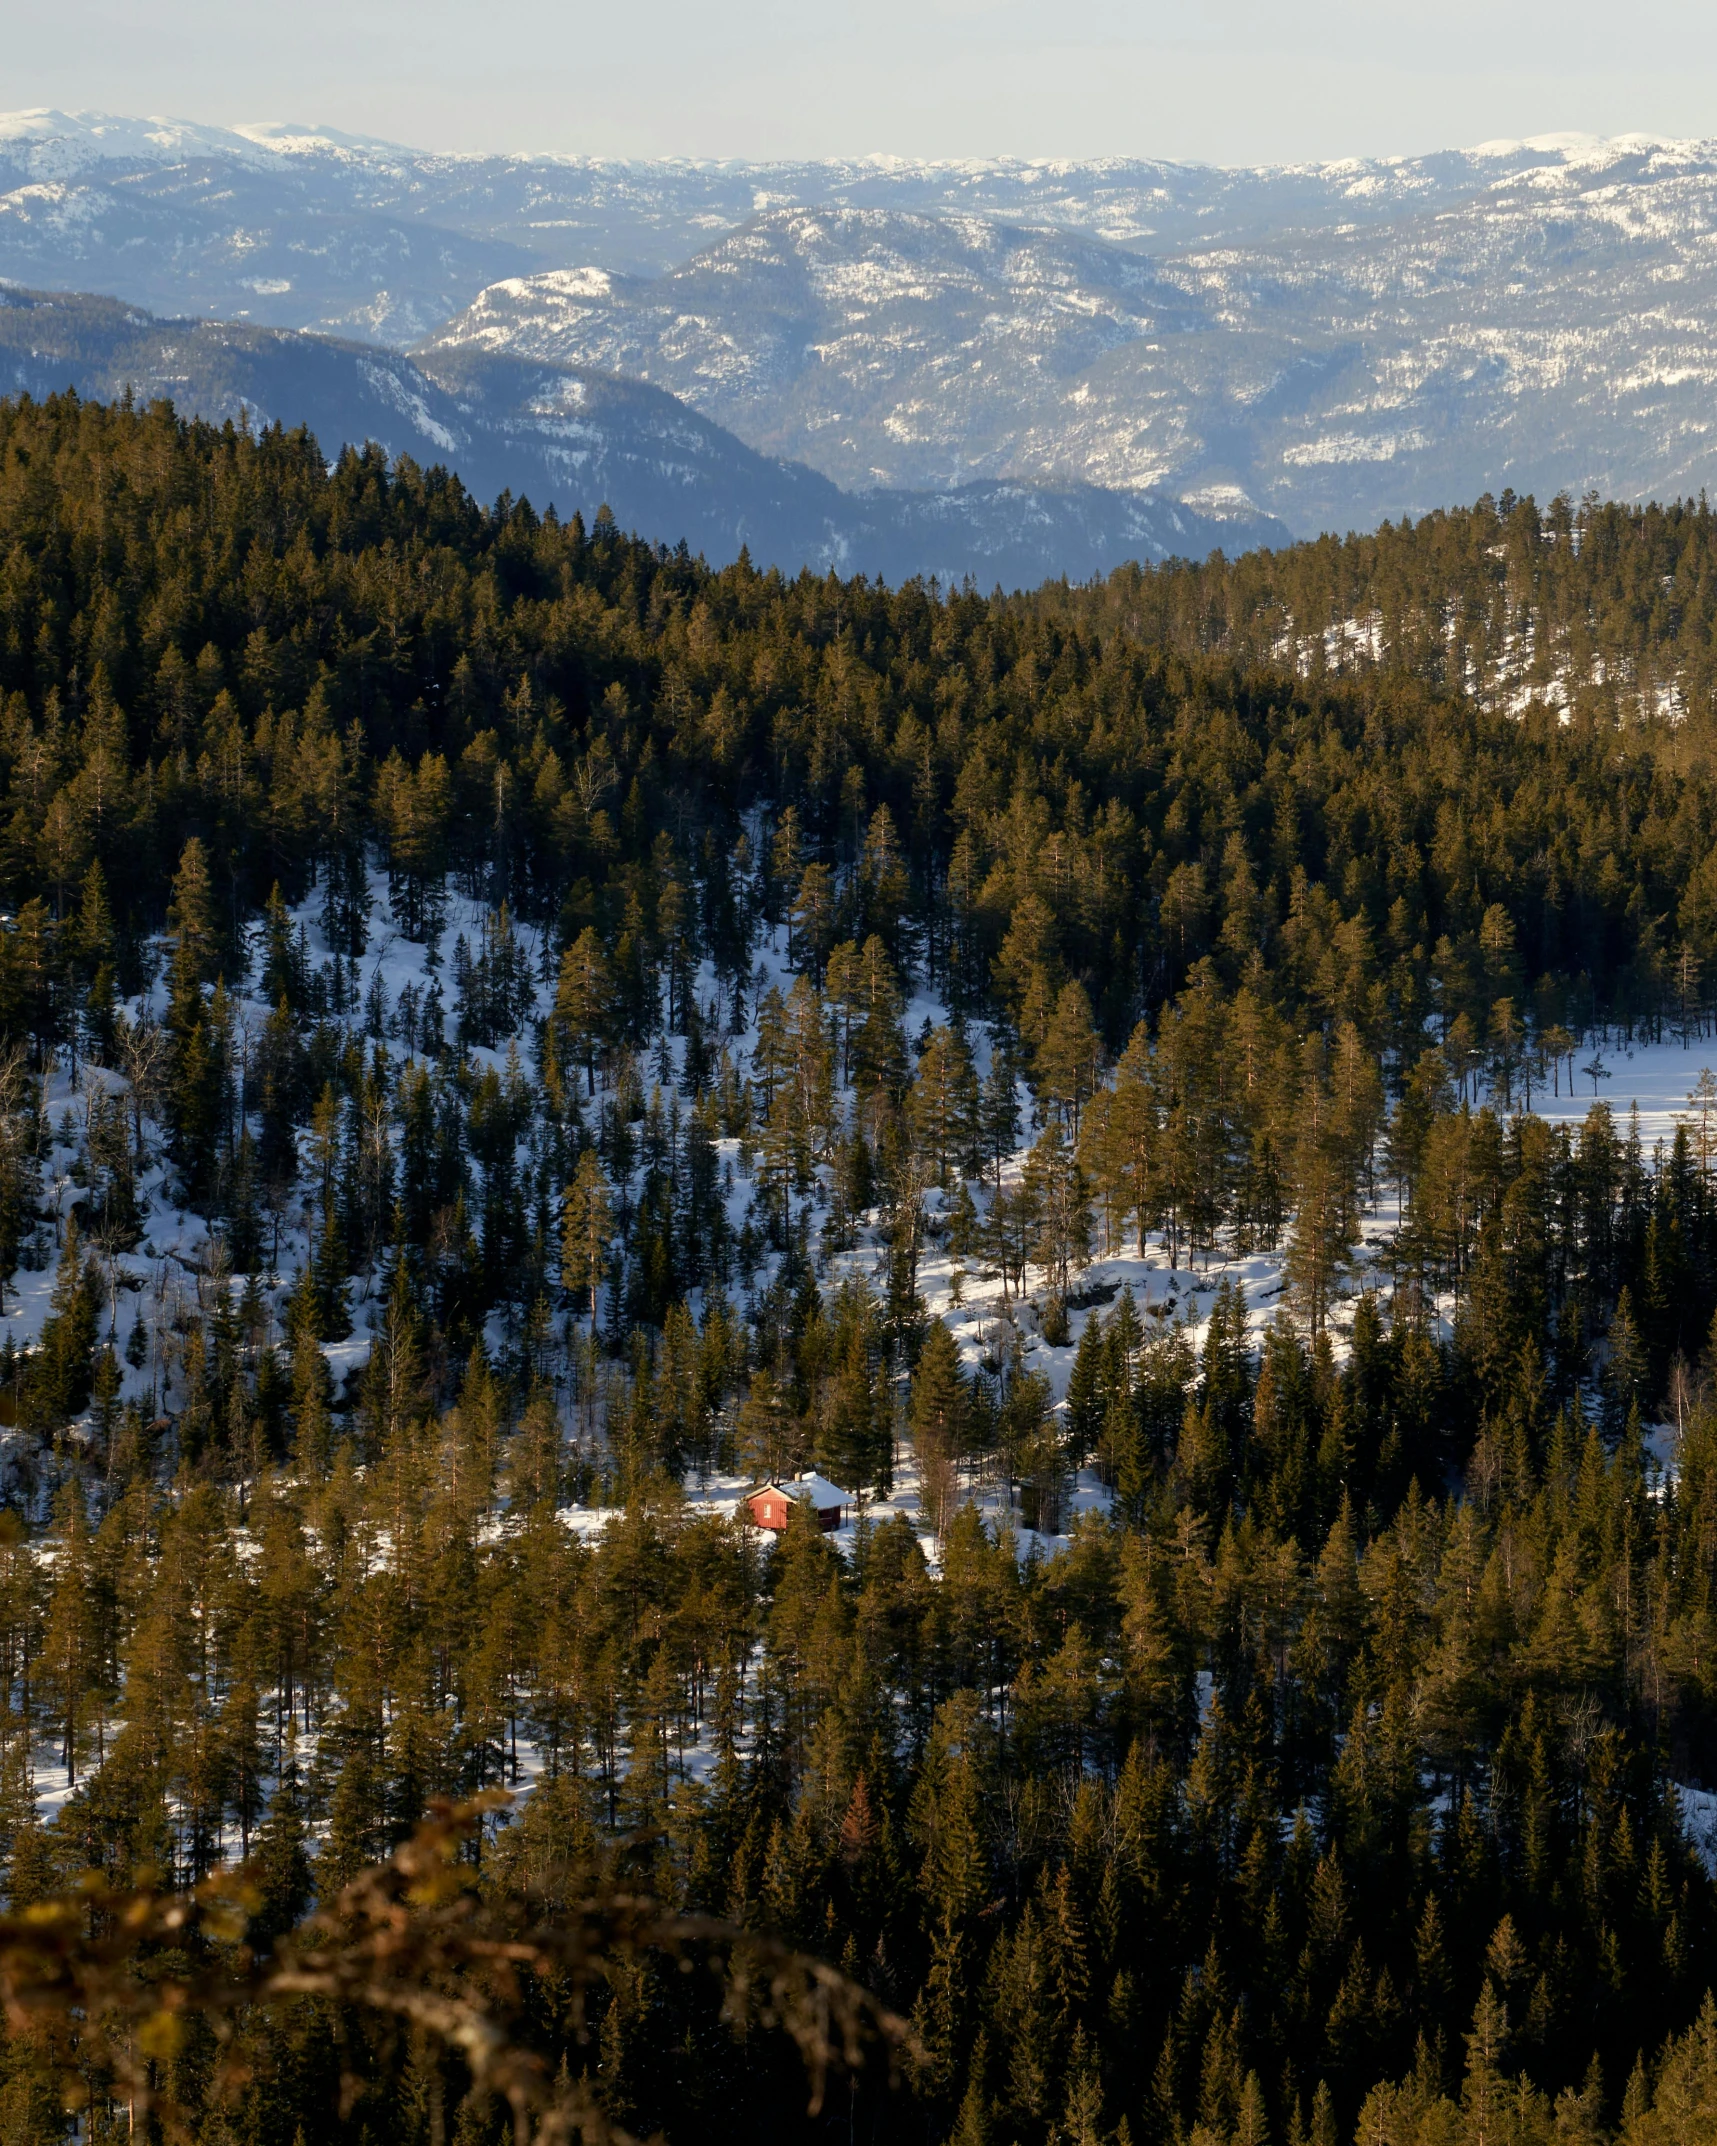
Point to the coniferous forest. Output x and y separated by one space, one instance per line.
509 1036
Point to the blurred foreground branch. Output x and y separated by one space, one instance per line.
108 1982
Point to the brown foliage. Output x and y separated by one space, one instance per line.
107 1982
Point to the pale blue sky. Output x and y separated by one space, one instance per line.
1231 81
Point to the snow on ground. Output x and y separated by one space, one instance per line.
170 1265
723 1495
171 1260
53 1786
173 1251
1661 1444
1699 1822
1657 1079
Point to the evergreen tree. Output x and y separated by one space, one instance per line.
587 1219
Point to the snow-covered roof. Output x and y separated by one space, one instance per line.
817 1490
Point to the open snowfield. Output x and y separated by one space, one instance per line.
1656 1079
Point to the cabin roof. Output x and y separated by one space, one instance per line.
808 1489
814 1489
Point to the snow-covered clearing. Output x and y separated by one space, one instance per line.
1654 1079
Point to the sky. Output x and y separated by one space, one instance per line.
1223 81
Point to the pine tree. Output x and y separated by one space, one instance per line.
1484 2091
62 1365
1625 1370
1055 1185
1088 1390
1069 1055
587 1220
584 1005
938 1415
1325 1228
766 1433
945 1105
191 922
71 1639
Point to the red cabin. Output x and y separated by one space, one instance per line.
767 1504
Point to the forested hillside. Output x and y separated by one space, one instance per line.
512 1037
1592 607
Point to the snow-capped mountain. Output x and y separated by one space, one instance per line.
200 220
1555 330
576 438
1333 343
642 217
886 347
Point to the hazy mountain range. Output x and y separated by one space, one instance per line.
580 439
1555 327
1328 344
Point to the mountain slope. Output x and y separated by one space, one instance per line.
1554 332
885 347
182 222
578 438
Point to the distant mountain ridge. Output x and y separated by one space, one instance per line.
1557 332
641 216
871 339
1332 344
580 439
